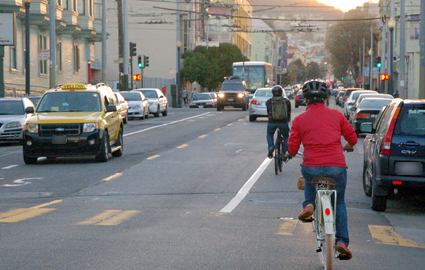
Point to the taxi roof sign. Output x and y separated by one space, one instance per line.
74 86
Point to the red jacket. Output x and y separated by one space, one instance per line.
319 129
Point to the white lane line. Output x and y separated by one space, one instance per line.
163 125
246 188
9 167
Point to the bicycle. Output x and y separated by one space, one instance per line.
278 153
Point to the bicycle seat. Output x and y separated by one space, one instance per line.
322 180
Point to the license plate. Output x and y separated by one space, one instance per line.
59 139
230 99
408 168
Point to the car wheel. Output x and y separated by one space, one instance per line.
120 142
219 108
296 105
244 107
165 113
30 160
104 152
157 112
252 118
367 181
379 203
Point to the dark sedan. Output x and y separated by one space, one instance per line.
299 99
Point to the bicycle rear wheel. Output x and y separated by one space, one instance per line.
279 150
329 251
277 156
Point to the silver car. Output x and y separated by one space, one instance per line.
158 102
257 105
203 99
138 105
13 118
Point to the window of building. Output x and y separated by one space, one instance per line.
65 4
98 9
81 7
60 3
91 5
76 58
13 62
59 55
42 64
74 5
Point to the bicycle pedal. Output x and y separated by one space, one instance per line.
308 219
343 257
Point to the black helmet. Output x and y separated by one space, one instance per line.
315 89
277 90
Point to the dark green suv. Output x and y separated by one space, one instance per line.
233 92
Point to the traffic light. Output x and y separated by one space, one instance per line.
342 78
136 77
378 62
140 61
385 77
146 61
133 49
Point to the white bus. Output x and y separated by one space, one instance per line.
255 74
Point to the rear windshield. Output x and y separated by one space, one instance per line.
232 86
374 104
264 93
132 96
411 120
150 93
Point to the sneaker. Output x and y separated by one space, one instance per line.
307 212
270 154
345 253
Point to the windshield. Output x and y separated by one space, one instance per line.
131 96
374 104
264 93
70 102
150 93
201 97
254 76
232 86
11 107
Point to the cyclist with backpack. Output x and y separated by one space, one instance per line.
319 129
279 114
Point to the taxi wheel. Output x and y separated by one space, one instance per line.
120 142
104 153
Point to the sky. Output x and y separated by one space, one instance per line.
345 5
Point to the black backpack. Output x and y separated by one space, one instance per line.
279 108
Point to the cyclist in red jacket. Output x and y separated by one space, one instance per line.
319 129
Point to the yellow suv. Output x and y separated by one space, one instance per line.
74 120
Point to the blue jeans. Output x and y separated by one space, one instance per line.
340 176
271 129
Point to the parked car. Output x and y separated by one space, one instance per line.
367 111
352 98
138 105
158 102
299 99
203 99
347 93
34 99
257 107
13 118
361 97
338 97
122 107
394 151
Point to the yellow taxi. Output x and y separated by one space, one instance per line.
74 120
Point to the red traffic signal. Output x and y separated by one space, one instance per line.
136 77
385 77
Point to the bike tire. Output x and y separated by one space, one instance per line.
276 164
329 253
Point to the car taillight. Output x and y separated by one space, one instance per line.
255 102
297 97
386 145
363 115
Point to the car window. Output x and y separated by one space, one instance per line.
411 120
11 107
264 93
150 93
374 104
70 102
384 122
201 97
232 86
131 96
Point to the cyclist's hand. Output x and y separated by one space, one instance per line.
288 156
348 147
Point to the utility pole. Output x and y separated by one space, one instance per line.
403 92
363 63
104 57
120 44
52 39
371 57
422 52
126 47
384 44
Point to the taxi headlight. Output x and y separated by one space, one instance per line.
13 125
89 127
32 128
240 95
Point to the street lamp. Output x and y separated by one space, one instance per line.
391 25
179 102
27 4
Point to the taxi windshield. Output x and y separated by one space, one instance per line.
70 102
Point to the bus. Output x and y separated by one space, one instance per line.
255 74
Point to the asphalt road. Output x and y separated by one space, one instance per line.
193 190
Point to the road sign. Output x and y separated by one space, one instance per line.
359 80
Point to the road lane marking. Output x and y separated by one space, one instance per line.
9 167
163 125
182 146
387 236
153 157
246 188
217 129
112 177
287 227
110 218
20 214
202 136
22 182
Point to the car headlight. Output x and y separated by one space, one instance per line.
221 95
137 107
32 128
240 95
13 125
89 127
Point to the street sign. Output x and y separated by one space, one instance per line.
43 54
359 80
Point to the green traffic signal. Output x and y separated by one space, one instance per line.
342 78
379 65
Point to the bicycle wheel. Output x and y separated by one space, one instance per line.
279 147
277 156
276 163
329 251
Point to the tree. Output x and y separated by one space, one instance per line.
297 71
314 71
209 66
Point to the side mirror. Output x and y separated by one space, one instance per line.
366 127
111 108
29 110
353 108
